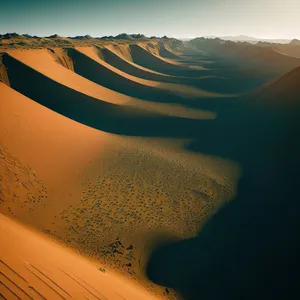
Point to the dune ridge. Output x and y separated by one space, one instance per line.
114 148
141 56
25 120
44 64
112 80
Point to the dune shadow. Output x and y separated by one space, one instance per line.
125 66
102 75
118 119
249 249
134 70
220 77
143 58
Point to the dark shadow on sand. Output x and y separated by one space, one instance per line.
144 58
93 112
221 76
250 248
101 75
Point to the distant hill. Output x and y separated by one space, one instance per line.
9 35
54 36
245 38
125 36
81 37
295 42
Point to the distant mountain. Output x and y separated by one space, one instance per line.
138 36
210 37
9 35
81 37
240 38
125 36
245 38
27 35
53 36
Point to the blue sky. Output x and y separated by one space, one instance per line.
177 18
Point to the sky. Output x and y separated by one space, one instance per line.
174 18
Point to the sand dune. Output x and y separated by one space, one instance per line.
268 58
45 62
203 82
41 269
56 149
235 252
282 91
125 83
109 157
248 57
146 59
291 50
3 72
106 181
115 49
121 50
166 51
116 59
57 80
160 49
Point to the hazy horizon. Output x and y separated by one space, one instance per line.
193 18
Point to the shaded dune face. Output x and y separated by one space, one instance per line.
210 83
98 114
128 67
164 51
250 246
210 79
90 65
142 57
102 215
91 69
146 158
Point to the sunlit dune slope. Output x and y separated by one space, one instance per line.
46 62
160 49
167 52
56 151
290 49
111 77
106 196
116 58
27 68
102 149
38 268
119 61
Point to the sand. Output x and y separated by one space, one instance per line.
62 159
98 155
174 88
48 63
281 92
39 268
64 146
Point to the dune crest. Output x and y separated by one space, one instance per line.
118 147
